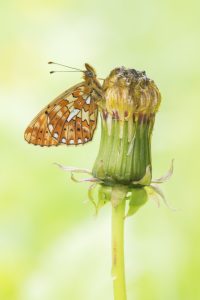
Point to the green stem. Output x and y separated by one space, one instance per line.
118 270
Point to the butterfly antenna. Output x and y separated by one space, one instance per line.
51 72
54 63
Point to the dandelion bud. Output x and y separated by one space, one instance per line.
128 110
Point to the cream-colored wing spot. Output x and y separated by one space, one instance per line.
73 114
85 116
69 98
88 100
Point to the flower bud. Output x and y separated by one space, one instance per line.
128 110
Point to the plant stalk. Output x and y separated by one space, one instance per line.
118 269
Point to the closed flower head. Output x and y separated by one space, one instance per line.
128 110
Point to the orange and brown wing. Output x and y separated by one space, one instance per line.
70 119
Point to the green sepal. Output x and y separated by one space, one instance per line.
91 191
119 193
146 179
104 196
156 194
138 198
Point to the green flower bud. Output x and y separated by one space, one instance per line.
128 110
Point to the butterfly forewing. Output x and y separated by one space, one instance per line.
70 119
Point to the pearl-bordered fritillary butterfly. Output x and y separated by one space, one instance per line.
71 118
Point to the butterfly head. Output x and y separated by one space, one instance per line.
90 72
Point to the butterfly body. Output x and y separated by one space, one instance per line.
71 118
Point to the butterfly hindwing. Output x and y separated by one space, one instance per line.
70 119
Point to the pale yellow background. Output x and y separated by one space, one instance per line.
51 246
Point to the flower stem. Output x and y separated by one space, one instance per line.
118 271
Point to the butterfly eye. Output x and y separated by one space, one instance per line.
89 74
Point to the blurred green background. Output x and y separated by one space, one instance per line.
51 246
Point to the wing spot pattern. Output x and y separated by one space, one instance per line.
55 135
50 127
67 119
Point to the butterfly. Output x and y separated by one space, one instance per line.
71 118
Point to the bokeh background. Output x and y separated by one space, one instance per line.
51 246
